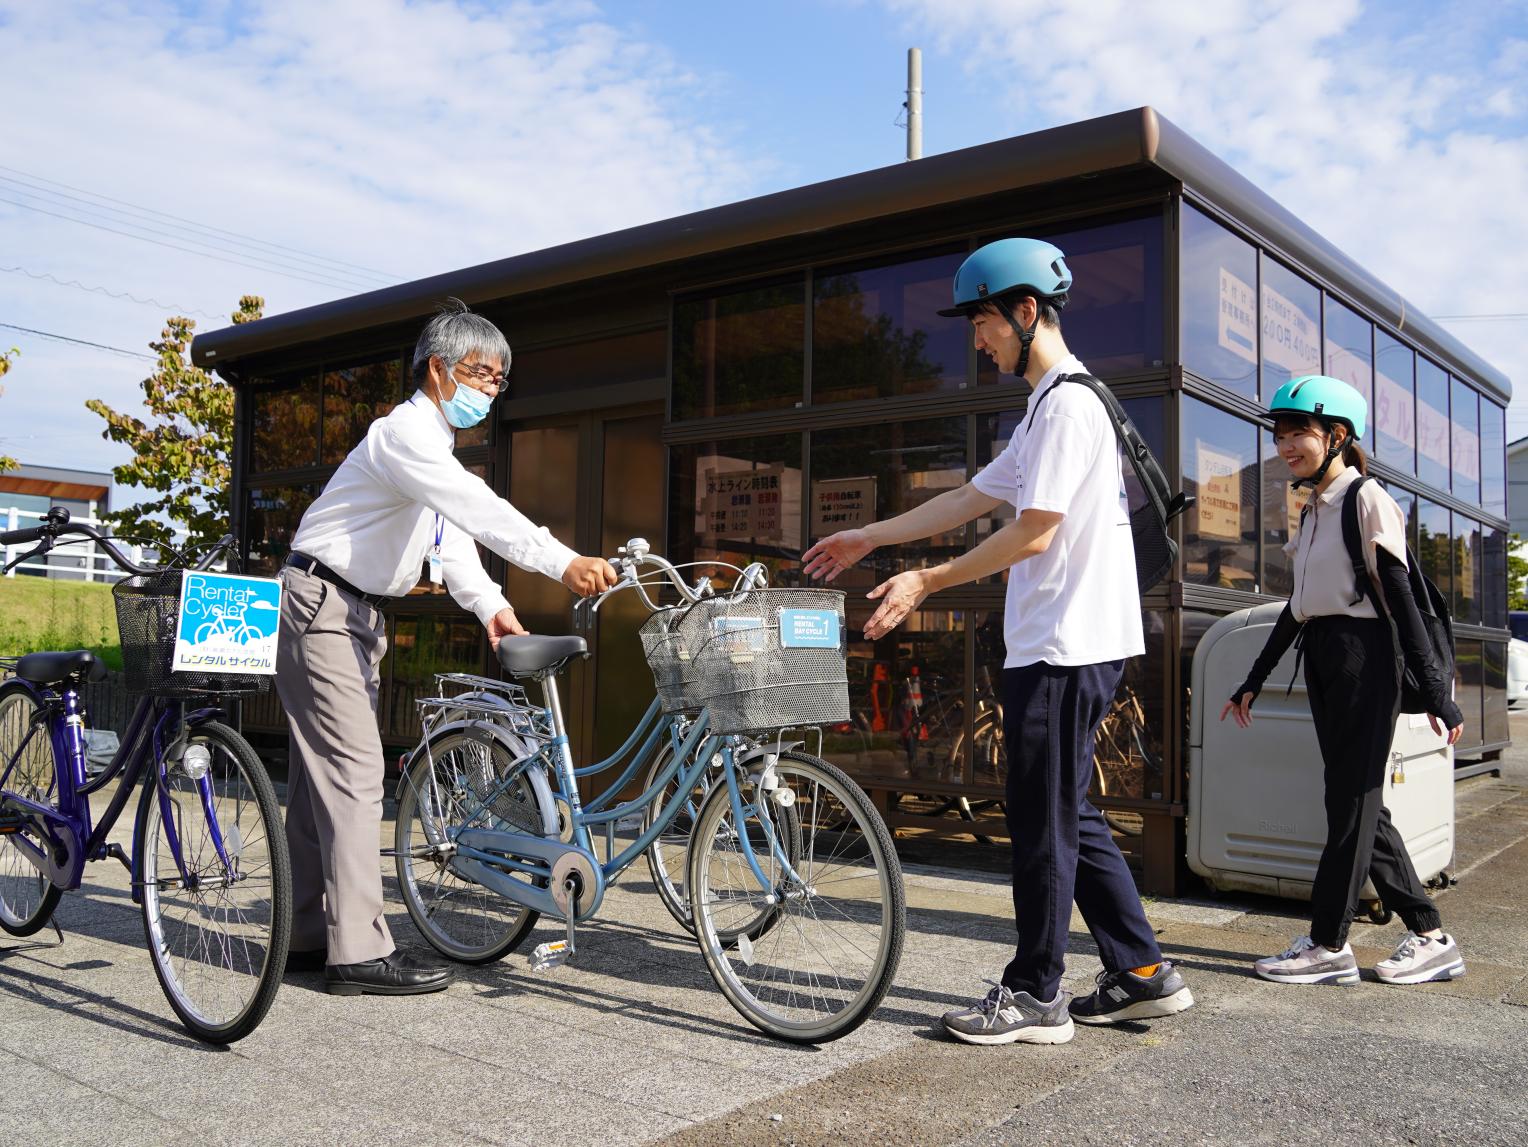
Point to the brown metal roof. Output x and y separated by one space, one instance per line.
1128 139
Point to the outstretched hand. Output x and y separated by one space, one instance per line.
836 553
898 596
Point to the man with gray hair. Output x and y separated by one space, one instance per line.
399 500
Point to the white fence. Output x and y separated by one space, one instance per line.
74 558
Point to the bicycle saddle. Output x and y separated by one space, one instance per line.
51 668
524 656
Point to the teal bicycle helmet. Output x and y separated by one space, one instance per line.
1011 268
1328 400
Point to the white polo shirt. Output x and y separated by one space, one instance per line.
375 522
1077 603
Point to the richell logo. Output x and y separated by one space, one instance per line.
1273 826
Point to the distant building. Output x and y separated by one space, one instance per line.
30 491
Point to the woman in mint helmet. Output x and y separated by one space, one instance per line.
1352 676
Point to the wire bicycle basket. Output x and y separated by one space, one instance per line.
759 660
148 616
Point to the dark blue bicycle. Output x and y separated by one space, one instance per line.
209 859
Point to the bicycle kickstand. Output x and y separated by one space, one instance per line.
556 953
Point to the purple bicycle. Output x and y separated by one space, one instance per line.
209 859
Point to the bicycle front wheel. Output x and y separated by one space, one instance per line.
466 780
838 916
218 922
27 897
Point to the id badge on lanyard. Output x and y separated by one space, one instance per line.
437 573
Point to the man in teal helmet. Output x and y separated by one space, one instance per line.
1072 617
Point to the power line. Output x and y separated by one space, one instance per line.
127 295
385 275
77 342
1505 317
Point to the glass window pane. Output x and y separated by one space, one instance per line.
875 332
285 427
419 647
1468 570
738 501
1113 316
1219 304
1469 693
906 698
1407 501
740 350
1433 545
1496 728
542 463
589 362
1432 424
271 517
1128 749
1464 422
1493 590
1349 355
866 474
1493 458
1291 326
1220 469
1395 403
354 397
1281 518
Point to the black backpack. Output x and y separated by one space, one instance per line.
1155 550
1436 619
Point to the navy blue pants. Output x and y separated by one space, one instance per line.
1062 847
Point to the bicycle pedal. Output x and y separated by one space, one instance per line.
552 954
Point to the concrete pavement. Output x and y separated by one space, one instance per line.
633 1043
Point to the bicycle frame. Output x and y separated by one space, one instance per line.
70 838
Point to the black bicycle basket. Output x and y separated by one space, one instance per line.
148 612
725 654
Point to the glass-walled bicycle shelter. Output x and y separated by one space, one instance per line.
737 401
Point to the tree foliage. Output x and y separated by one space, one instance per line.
184 451
6 358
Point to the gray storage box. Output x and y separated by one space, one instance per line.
1256 821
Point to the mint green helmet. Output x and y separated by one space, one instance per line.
1322 397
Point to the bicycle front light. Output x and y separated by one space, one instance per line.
196 760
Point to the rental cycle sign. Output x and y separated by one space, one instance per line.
228 623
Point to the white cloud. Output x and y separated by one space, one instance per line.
1394 131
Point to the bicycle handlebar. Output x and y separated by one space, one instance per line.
57 524
636 553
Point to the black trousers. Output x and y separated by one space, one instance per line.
1353 674
1062 847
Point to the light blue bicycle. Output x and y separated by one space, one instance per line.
794 888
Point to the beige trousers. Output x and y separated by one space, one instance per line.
327 679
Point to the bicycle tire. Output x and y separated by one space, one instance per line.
458 917
27 897
809 1004
220 959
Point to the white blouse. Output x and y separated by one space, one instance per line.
1324 583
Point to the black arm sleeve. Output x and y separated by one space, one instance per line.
1415 647
1279 641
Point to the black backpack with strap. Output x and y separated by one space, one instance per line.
1155 550
1437 622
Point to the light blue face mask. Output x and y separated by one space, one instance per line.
467 407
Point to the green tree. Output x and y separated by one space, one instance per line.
6 358
183 453
1517 574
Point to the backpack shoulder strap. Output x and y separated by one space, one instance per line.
1353 539
1147 469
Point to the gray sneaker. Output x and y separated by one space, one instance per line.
1002 1016
1305 962
1420 959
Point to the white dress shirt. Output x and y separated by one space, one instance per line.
1077 603
374 524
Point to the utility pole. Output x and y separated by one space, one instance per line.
914 103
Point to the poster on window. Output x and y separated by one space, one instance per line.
842 504
1290 335
1220 503
1294 502
1347 365
1432 433
1394 412
1466 453
1238 317
743 503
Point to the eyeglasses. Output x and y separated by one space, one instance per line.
483 377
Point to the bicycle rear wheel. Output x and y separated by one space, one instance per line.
836 929
218 934
27 897
465 780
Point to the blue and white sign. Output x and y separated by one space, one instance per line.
228 623
808 629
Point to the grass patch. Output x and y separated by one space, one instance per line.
38 613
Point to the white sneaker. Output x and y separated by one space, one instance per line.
1306 962
1420 959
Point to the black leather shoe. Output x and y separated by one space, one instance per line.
312 960
394 975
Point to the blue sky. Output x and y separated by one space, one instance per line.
415 137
